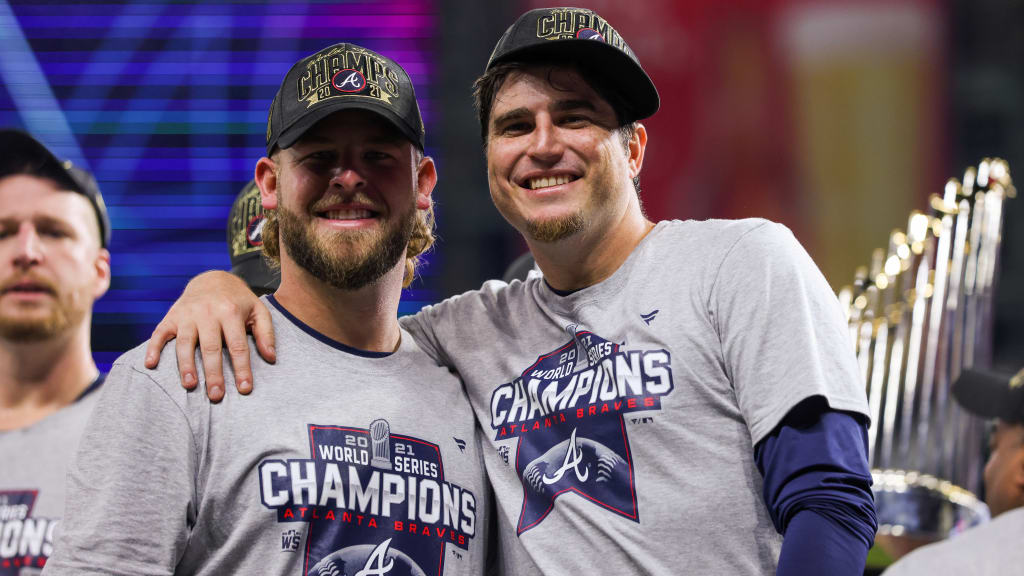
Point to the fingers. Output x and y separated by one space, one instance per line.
238 350
162 334
263 332
184 348
210 350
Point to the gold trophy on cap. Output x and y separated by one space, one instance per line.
919 314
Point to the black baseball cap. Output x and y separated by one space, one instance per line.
991 395
341 77
23 154
245 241
580 36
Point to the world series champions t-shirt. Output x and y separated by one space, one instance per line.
619 421
33 464
339 462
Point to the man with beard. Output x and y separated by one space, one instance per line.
342 465
672 397
54 234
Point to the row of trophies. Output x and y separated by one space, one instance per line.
918 315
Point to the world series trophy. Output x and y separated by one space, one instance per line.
918 315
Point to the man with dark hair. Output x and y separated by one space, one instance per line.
991 549
54 235
346 465
667 398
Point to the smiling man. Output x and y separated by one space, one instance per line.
363 461
671 397
54 264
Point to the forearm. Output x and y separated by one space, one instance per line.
817 544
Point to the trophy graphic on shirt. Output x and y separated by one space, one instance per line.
918 315
380 444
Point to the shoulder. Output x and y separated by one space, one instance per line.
986 546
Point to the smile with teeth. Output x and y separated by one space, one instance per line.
546 181
347 214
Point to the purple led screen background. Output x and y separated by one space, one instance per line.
166 103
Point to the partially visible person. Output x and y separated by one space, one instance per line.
54 263
358 454
245 242
993 548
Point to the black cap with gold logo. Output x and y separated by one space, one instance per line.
580 36
245 242
340 77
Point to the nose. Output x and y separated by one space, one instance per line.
347 180
28 249
545 145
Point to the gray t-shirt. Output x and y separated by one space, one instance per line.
340 461
33 464
992 549
621 419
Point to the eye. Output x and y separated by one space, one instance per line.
53 232
320 157
376 155
515 128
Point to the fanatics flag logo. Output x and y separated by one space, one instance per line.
566 412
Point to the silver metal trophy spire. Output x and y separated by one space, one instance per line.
919 314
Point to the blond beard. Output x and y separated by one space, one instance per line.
330 258
61 317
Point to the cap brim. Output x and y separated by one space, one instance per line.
256 273
988 395
290 135
617 70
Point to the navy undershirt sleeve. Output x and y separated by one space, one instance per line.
817 487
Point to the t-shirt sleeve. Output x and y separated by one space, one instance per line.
423 327
131 487
783 334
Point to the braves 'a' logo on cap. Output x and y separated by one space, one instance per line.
348 80
254 231
567 412
589 34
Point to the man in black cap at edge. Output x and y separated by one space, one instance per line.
991 549
668 398
54 236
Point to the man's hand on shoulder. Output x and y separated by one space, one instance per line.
216 309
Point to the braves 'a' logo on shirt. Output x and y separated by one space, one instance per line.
567 412
376 502
25 541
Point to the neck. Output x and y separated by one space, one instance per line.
592 255
366 318
39 378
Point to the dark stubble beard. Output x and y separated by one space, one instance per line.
344 260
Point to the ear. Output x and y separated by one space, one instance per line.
426 179
1016 463
266 179
637 145
102 265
